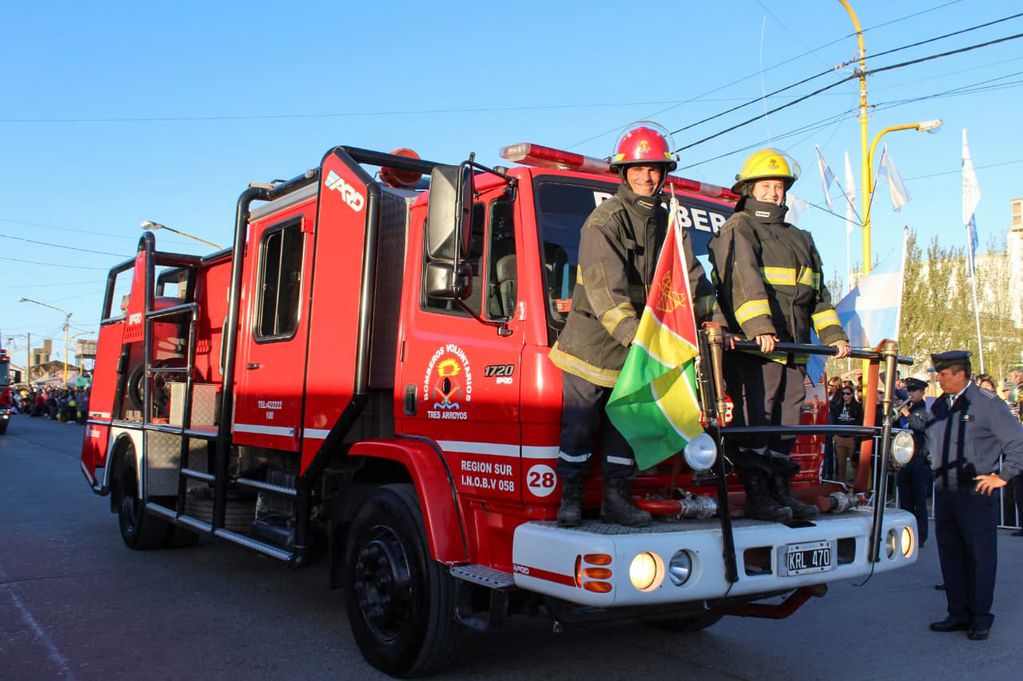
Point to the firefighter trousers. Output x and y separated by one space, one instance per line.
764 393
584 427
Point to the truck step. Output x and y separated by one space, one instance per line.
483 576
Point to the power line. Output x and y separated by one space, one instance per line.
702 97
869 72
52 264
64 283
947 35
959 170
76 230
70 248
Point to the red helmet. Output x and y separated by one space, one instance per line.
643 145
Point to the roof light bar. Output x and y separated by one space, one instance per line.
539 156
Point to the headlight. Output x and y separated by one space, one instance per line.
701 452
890 541
680 567
902 447
646 571
908 540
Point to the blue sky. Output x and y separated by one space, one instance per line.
117 112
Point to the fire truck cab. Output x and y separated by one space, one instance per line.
364 375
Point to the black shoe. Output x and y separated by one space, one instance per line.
759 503
618 507
978 632
570 514
939 587
781 491
1018 533
951 624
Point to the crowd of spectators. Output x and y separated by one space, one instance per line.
68 405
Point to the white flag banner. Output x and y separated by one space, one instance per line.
887 171
827 177
971 197
850 193
797 207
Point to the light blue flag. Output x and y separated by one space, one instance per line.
870 312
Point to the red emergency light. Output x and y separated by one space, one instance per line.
539 156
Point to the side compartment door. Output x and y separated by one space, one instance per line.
273 331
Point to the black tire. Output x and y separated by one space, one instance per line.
686 625
400 601
3 427
139 530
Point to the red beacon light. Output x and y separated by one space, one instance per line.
539 156
400 178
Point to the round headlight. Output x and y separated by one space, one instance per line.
701 452
646 571
902 447
890 543
907 541
680 567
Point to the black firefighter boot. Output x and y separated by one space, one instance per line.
782 472
618 507
570 514
759 504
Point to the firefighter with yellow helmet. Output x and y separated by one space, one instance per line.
771 289
618 248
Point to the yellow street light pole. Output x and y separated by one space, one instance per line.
149 224
922 126
67 327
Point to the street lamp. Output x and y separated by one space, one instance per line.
922 126
149 224
67 326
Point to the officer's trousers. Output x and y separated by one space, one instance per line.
914 482
584 426
966 524
765 393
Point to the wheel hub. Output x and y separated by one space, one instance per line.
383 584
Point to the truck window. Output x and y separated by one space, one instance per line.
502 272
280 281
562 206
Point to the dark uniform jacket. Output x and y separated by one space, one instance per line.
618 251
917 423
769 278
968 438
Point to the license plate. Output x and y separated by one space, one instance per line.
807 558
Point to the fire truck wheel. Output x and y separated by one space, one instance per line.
400 601
686 625
139 529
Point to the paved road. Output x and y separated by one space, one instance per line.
76 604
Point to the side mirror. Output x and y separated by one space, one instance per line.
447 220
447 281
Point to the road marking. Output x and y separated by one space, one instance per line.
37 629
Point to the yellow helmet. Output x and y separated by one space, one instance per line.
767 163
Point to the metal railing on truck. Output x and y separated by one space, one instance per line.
713 346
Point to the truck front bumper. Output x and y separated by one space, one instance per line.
590 565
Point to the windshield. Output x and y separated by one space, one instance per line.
562 206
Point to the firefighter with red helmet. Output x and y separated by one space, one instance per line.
618 250
771 288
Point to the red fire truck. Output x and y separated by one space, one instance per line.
364 376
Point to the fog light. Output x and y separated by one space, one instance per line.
701 452
680 567
902 447
890 542
908 540
646 571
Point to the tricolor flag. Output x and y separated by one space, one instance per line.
887 171
971 197
871 312
827 177
654 404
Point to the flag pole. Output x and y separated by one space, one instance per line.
976 308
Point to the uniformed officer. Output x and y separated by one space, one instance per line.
968 431
771 288
914 480
618 250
